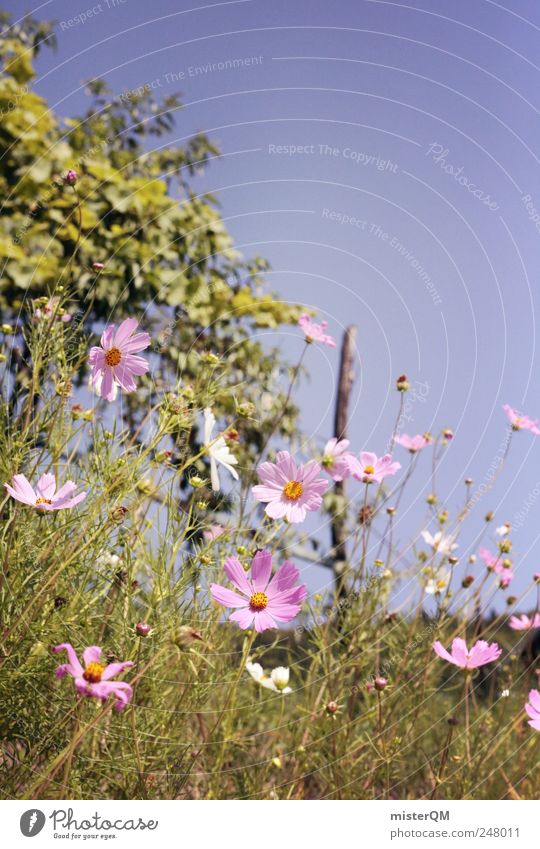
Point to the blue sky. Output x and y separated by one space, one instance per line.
383 156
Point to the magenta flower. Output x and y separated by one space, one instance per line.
480 654
369 468
521 422
95 679
114 362
336 459
533 709
524 622
506 576
290 491
70 177
412 443
262 601
44 496
315 332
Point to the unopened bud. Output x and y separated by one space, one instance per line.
380 683
142 629
402 384
467 581
70 177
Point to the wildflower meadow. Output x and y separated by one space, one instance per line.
163 511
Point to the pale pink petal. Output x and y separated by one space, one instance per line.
107 336
285 577
91 655
442 652
138 342
244 617
276 509
46 486
265 493
128 326
236 573
107 386
115 669
459 651
263 621
136 365
227 597
74 665
124 378
64 491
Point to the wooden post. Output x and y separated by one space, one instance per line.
341 422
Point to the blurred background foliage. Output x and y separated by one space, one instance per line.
169 258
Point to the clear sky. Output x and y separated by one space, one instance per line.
384 157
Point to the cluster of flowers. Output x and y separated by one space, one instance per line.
289 492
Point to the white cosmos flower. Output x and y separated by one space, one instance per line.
439 543
503 530
438 583
218 451
276 681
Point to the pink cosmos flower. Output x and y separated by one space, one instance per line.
369 468
315 332
115 361
506 576
45 496
495 564
95 679
533 709
521 422
524 622
290 491
412 443
213 532
336 459
480 654
491 560
262 601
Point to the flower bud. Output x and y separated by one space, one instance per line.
536 577
467 581
142 629
402 384
448 434
332 708
511 600
504 546
185 635
70 177
380 683
489 516
469 481
453 561
431 499
390 510
118 514
98 266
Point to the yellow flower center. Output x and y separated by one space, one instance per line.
43 501
328 461
293 490
258 601
93 673
369 470
113 356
